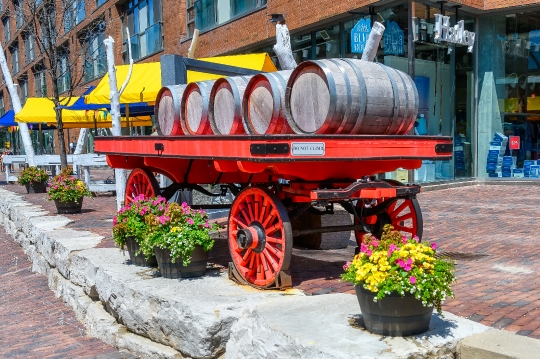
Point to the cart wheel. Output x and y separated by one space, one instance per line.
404 214
141 181
260 236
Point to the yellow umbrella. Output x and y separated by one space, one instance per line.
40 109
145 81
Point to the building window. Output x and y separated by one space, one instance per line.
207 14
19 15
2 106
64 74
144 20
40 83
7 30
95 64
101 2
15 58
23 85
75 15
29 53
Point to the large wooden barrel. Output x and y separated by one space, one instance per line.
264 104
194 108
167 110
225 107
349 96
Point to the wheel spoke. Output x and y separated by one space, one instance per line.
239 222
246 257
404 229
400 209
403 218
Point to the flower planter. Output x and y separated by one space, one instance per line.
139 259
196 268
69 207
393 315
38 187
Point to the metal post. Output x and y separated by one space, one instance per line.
410 58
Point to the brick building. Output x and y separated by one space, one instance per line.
469 93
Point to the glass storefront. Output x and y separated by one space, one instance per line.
510 128
444 75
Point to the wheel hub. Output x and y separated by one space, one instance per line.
377 227
253 237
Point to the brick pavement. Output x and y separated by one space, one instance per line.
490 231
35 324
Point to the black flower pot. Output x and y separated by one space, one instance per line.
171 270
38 187
393 315
139 259
69 207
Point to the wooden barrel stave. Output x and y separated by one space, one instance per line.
194 108
264 104
167 110
225 107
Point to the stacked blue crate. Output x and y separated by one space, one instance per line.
527 167
459 156
495 158
534 171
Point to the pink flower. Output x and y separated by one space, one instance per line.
206 224
369 252
391 249
434 246
416 239
407 265
347 265
404 239
412 279
190 221
375 243
114 221
363 248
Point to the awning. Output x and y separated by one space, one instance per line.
40 109
8 120
135 109
145 81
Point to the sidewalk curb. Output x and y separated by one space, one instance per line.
497 344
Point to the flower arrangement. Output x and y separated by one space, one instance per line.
396 263
130 220
32 175
66 188
180 229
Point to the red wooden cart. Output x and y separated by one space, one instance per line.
277 178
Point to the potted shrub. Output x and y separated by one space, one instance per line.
130 228
34 179
397 277
180 239
67 192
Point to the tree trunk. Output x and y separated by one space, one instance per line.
16 101
61 140
120 175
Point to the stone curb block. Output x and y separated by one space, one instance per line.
496 344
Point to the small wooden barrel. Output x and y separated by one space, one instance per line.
350 96
225 107
264 104
167 110
194 108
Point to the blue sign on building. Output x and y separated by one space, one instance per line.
394 39
359 35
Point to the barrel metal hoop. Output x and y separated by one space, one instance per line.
344 121
396 96
363 95
236 97
406 101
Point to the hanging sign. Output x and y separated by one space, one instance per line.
359 35
394 39
514 142
454 34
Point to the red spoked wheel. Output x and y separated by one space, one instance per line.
141 181
404 214
260 236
